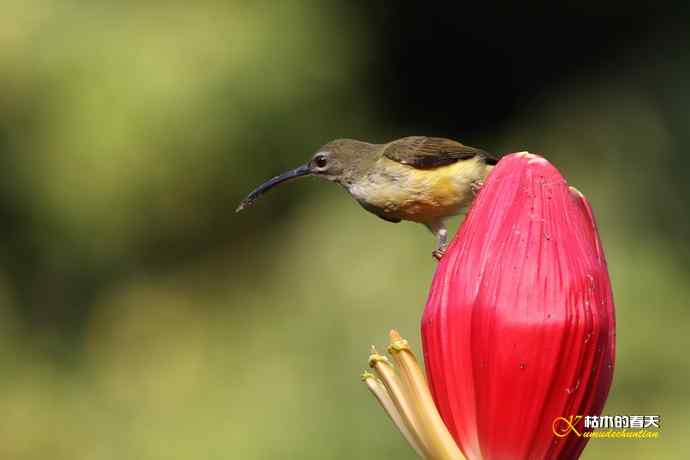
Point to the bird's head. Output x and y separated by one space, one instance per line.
341 161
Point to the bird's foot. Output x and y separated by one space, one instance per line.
439 252
476 186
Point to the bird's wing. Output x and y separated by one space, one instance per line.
431 152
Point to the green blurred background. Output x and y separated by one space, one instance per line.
141 318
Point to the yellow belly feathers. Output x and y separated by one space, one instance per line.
419 195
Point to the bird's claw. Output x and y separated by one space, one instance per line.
476 186
439 252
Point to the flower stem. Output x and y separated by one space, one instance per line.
381 394
406 398
433 430
393 385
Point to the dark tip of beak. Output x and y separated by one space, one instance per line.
269 184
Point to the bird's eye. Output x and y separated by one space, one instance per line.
320 161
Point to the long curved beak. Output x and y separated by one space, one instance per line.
269 184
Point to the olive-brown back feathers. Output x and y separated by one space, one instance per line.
431 152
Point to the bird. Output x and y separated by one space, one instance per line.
416 178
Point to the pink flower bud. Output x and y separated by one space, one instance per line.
519 326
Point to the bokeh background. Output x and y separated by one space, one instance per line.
141 318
